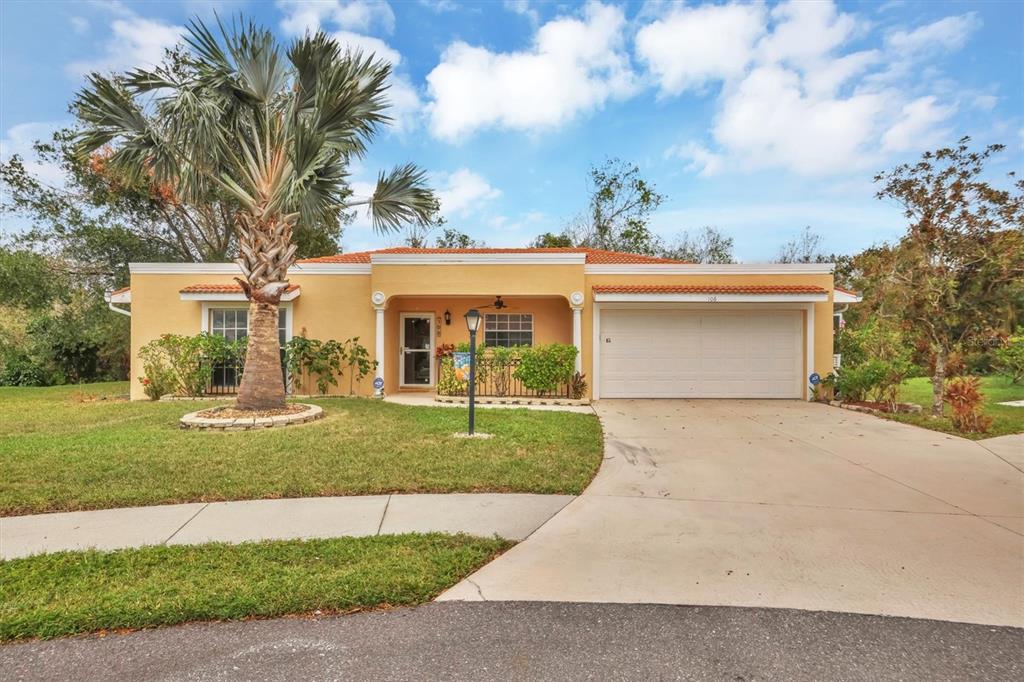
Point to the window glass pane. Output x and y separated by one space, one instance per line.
218 319
242 319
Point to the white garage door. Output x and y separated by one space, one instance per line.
672 353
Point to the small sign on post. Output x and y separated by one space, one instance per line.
460 363
815 379
378 383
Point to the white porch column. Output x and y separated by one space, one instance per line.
577 327
379 300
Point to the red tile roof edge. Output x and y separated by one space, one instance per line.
222 289
122 290
708 289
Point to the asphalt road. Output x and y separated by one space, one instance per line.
526 641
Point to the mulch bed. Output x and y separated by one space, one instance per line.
230 412
884 407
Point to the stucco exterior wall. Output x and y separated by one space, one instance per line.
552 323
338 306
328 307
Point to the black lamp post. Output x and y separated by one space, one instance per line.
472 324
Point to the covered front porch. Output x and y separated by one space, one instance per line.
415 332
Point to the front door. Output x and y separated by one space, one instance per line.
417 356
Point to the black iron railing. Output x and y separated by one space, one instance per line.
495 378
226 375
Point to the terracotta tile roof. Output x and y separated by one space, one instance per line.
708 289
593 255
846 291
222 289
122 290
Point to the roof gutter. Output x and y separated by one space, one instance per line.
111 306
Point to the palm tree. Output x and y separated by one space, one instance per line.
230 114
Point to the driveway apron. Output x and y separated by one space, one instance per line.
781 504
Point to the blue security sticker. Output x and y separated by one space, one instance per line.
815 379
378 383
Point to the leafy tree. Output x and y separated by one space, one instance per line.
98 220
549 240
454 239
36 279
272 132
619 209
804 248
709 245
961 261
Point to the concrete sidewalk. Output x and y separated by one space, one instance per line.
511 516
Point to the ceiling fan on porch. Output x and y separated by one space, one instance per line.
497 305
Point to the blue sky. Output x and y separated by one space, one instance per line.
756 118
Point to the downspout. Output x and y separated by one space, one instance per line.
110 304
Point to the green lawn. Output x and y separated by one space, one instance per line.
72 592
64 448
1005 419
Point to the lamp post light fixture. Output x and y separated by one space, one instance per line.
447 317
472 324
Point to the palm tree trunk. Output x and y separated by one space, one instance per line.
262 386
938 381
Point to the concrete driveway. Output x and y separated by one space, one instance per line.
781 504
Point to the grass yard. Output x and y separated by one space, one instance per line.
66 448
73 592
1005 419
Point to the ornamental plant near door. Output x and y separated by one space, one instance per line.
271 130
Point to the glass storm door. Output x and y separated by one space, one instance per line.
417 359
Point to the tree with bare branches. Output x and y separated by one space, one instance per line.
952 275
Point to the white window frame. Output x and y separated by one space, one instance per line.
208 306
532 330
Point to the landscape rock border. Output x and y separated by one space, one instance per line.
192 420
490 400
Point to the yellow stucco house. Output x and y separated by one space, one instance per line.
644 327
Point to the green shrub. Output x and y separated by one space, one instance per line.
325 361
876 360
1009 358
185 364
544 368
18 368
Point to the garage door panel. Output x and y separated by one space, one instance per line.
701 354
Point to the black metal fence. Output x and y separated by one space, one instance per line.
495 378
226 376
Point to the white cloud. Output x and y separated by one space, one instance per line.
357 42
79 25
522 7
357 15
794 96
916 127
806 32
439 6
136 42
769 121
949 33
463 190
19 140
701 160
574 65
690 47
406 104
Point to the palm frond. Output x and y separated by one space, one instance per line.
401 197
